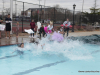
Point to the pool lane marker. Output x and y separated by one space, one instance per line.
38 68
93 52
8 57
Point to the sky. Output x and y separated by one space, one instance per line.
63 3
67 3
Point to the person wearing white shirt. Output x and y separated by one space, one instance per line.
50 27
66 28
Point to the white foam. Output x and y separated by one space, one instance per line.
74 50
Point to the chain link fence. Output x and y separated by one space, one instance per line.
24 12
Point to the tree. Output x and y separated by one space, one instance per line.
61 14
7 10
57 6
92 17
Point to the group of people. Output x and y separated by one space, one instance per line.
43 30
58 34
48 29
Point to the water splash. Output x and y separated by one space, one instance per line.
73 50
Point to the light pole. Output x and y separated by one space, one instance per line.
3 9
81 13
11 12
82 6
73 17
39 10
15 8
44 9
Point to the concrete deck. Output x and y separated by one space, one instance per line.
85 33
23 37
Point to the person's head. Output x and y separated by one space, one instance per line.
17 22
32 20
51 23
67 19
8 16
42 26
21 45
58 28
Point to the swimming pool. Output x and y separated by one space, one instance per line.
66 58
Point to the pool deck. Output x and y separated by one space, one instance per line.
85 33
24 37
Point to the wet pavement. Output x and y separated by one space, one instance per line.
24 38
14 40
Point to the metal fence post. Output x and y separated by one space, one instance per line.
94 16
65 14
11 13
31 14
73 20
41 12
48 15
54 17
22 16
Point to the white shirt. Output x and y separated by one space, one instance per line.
50 27
66 22
58 31
61 29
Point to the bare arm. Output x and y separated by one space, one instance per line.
42 46
13 51
64 23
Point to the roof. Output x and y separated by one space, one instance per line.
34 9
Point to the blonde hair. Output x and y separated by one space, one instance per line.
51 22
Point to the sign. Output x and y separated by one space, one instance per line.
2 27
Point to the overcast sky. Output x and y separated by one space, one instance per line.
67 3
63 3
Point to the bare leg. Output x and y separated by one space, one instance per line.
17 40
9 34
6 34
17 34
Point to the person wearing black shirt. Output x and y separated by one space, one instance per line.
1 20
8 25
41 31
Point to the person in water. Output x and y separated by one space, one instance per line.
21 46
42 46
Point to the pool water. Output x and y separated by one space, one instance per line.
65 58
